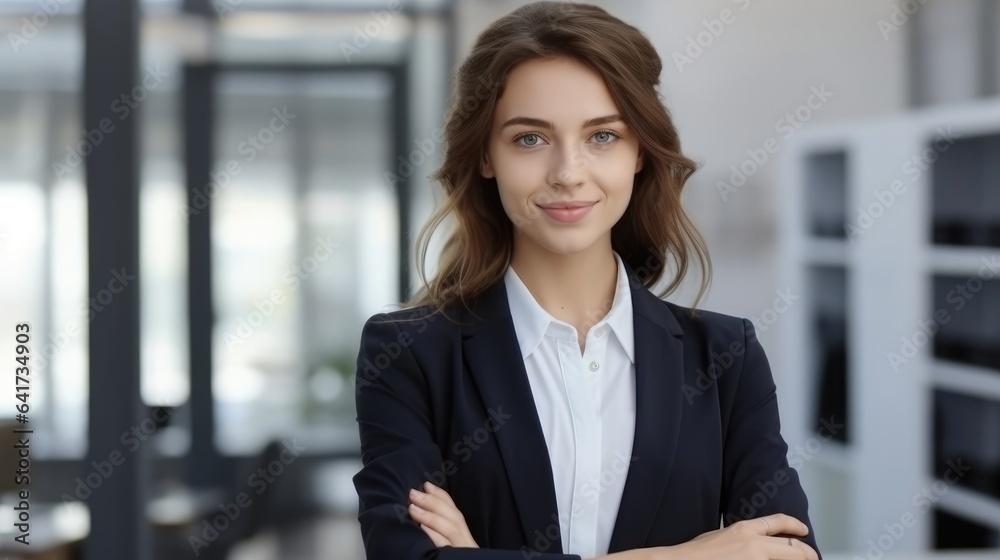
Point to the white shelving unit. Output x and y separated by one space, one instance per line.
906 409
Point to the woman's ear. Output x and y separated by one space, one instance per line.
486 168
639 161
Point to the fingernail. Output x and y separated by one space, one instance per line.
415 507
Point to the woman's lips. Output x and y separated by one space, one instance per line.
567 215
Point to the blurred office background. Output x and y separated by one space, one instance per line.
305 129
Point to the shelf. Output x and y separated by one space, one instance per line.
934 264
966 379
968 311
971 505
828 289
953 531
965 431
966 261
965 201
826 179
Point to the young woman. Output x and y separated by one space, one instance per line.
536 399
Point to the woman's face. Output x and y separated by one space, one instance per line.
557 137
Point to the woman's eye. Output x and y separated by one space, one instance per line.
533 139
611 136
605 137
602 137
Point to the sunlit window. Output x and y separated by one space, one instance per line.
299 167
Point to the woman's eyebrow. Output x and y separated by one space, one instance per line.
548 125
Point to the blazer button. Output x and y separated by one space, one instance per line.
594 366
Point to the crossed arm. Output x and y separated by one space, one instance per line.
397 447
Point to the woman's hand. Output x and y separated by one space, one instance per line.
752 539
440 518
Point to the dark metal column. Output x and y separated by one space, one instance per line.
404 189
118 526
204 469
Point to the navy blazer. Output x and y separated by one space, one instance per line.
452 404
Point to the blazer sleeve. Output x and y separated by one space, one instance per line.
758 480
397 448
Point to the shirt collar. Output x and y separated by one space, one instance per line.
532 321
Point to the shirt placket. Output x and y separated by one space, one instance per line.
584 391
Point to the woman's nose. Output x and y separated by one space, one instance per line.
570 167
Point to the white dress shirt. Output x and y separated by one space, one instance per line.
586 405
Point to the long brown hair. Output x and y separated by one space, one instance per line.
478 250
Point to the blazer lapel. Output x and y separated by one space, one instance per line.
490 345
659 376
491 350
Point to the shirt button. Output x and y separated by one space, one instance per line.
594 366
599 332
